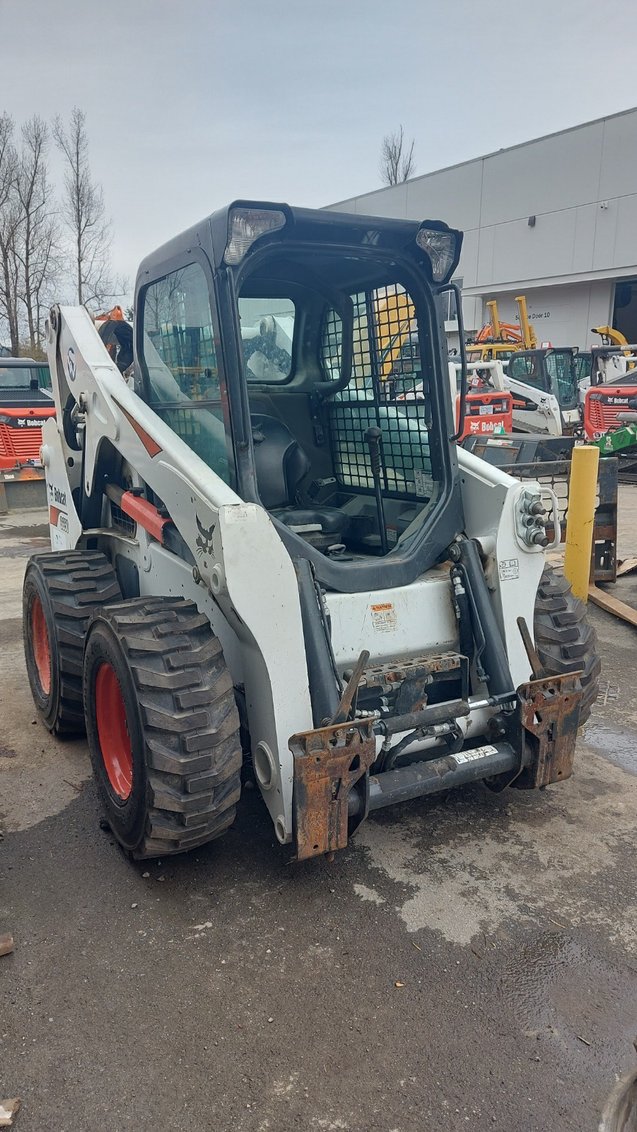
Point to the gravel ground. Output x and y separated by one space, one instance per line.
470 961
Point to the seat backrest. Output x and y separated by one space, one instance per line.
280 461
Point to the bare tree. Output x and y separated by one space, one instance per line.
37 244
9 225
396 158
84 213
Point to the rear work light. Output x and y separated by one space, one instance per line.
245 225
442 246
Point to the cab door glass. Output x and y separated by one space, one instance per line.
562 371
180 362
526 369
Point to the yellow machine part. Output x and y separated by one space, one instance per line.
614 337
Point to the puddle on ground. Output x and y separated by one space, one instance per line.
617 745
562 991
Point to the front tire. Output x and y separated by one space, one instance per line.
564 638
162 725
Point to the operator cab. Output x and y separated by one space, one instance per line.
24 384
552 370
276 350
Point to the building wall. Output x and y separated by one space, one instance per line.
563 316
555 219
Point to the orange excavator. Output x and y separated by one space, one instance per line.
497 340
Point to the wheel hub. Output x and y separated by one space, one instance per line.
112 731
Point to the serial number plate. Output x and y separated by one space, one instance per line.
474 755
509 569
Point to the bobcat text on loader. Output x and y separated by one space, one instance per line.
263 563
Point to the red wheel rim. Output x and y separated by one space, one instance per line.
40 645
112 731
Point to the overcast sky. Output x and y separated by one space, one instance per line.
192 103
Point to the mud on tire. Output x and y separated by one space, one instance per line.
60 593
169 777
564 639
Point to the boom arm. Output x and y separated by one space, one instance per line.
610 336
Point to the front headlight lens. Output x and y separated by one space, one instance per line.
245 226
442 250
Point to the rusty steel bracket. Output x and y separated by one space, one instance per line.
549 714
328 763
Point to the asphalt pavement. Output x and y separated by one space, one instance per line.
469 962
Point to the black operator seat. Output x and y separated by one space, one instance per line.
281 465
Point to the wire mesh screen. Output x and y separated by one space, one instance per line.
385 353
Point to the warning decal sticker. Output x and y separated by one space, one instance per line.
384 617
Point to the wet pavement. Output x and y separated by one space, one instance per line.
470 961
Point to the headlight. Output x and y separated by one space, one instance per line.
4 419
245 226
442 245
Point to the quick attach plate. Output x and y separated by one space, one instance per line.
550 715
328 762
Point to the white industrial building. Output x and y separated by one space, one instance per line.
554 219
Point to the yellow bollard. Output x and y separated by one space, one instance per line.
580 519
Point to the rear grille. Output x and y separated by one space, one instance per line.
20 444
602 415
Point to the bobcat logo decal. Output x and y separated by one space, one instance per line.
203 542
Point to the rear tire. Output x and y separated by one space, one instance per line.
60 593
564 638
162 725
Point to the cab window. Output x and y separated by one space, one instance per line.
526 368
562 370
180 364
267 336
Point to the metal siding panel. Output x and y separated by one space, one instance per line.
520 252
485 256
585 220
390 202
618 172
452 195
562 315
544 176
624 253
468 266
605 234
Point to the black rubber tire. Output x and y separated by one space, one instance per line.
564 638
181 719
69 586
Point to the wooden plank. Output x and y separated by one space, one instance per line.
613 605
626 566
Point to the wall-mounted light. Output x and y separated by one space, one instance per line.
531 222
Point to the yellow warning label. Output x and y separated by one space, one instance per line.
384 617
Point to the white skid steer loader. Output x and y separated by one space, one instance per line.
262 563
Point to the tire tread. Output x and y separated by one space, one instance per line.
564 638
189 718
